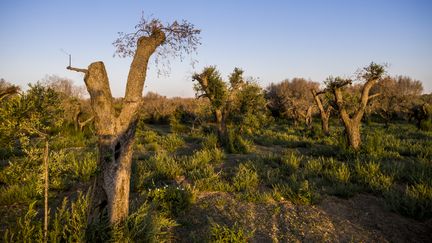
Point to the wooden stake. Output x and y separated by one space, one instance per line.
46 191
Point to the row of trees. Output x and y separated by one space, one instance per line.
375 94
239 104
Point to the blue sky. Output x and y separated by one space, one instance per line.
270 40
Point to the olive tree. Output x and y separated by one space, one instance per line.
7 89
292 99
352 120
238 103
116 130
209 84
324 108
398 95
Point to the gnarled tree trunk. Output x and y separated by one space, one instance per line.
116 132
352 124
325 114
221 126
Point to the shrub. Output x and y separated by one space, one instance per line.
339 173
415 201
157 169
210 141
83 167
426 125
68 225
370 175
143 225
238 144
223 234
314 167
171 200
17 194
27 228
246 178
171 142
298 192
213 183
291 162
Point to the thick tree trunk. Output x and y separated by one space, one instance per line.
116 132
111 193
352 130
325 114
352 124
325 124
308 117
76 119
221 127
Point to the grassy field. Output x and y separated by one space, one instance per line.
288 184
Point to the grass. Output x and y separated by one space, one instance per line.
270 167
246 178
223 233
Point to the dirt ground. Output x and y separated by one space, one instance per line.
361 218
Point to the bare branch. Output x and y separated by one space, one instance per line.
374 96
321 92
181 38
81 70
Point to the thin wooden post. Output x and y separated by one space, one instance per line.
46 211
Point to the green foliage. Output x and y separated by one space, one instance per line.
373 71
314 167
426 125
22 180
269 137
83 167
27 228
291 163
199 168
68 224
171 142
415 201
18 194
238 144
65 168
339 173
370 175
159 168
171 200
210 84
246 178
152 141
296 191
28 116
210 141
249 111
225 234
143 225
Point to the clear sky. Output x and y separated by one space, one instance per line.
270 40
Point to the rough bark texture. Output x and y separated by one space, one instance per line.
325 114
116 133
221 126
352 124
